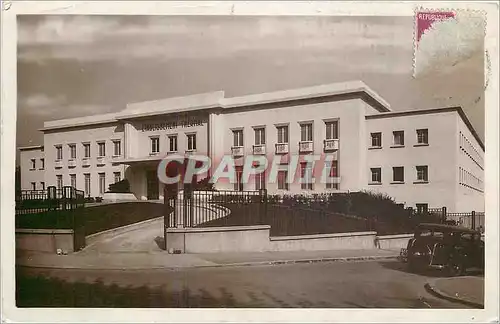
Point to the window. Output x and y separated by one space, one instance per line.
117 148
72 151
422 136
376 139
155 145
399 138
398 174
42 163
101 146
238 185
33 186
422 208
72 180
117 176
332 130
86 150
172 143
102 183
282 134
422 173
87 184
306 132
282 180
237 137
332 183
376 175
42 185
306 176
260 136
59 155
59 181
260 181
33 164
191 142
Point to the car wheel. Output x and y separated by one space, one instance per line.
457 269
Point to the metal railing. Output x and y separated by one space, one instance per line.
214 208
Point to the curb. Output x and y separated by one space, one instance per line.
438 293
220 265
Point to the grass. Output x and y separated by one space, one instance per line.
93 219
290 221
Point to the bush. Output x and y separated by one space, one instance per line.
204 185
98 199
120 187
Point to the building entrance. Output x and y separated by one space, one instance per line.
152 185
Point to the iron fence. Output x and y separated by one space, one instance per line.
53 208
212 208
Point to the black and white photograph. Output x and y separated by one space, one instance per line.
226 160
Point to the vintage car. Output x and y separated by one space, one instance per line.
452 249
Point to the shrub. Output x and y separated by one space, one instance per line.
98 199
120 187
204 185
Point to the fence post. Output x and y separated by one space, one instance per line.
473 215
443 215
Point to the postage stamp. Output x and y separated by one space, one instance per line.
160 158
444 38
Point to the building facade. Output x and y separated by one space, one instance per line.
421 158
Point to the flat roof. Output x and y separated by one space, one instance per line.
457 109
32 147
217 99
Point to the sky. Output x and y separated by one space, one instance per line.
72 66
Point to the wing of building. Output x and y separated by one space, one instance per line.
428 157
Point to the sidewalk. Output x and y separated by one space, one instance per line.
163 260
465 290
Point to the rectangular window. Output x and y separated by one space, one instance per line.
399 138
59 154
376 139
59 181
282 134
333 183
117 148
33 164
376 175
422 173
332 130
306 132
283 180
86 150
42 185
102 183
238 185
422 208
72 179
33 186
238 137
72 151
191 142
155 145
260 136
101 146
422 136
260 181
398 174
42 162
306 176
172 143
117 176
87 184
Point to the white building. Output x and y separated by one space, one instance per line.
418 157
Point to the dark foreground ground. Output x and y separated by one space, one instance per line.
326 285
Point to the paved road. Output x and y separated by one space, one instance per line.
336 284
